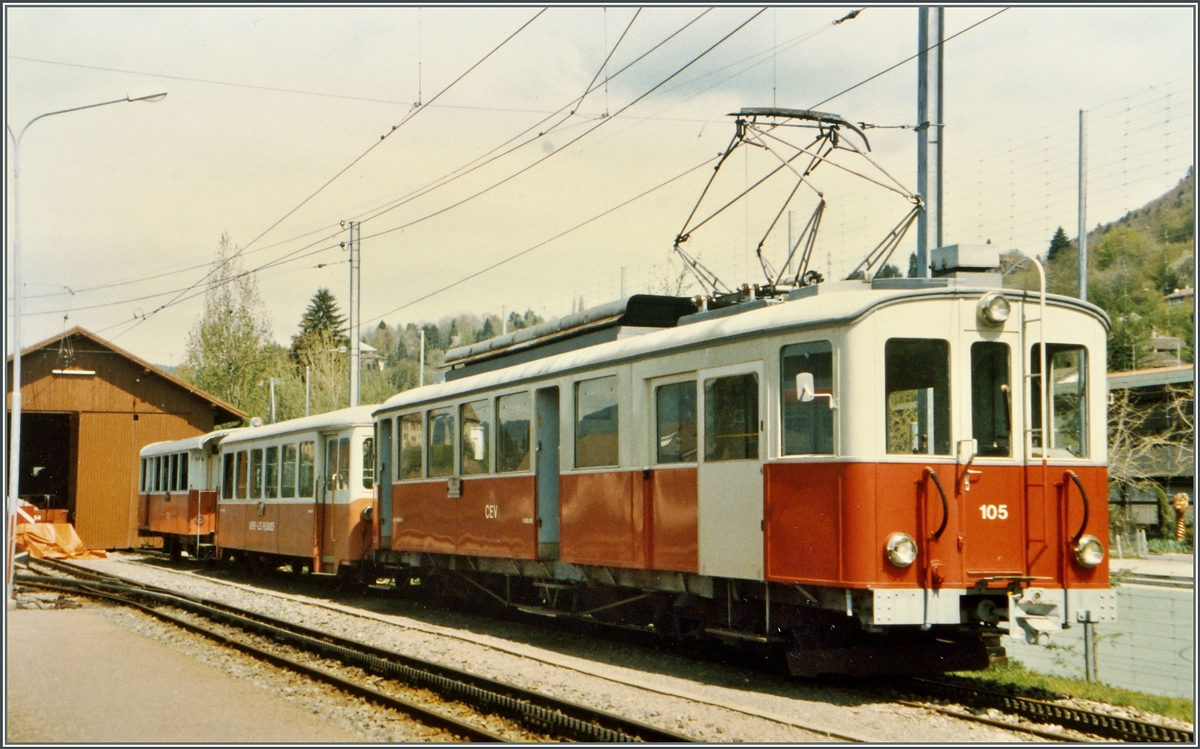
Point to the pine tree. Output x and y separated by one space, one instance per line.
323 318
1057 244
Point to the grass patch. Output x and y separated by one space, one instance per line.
1015 678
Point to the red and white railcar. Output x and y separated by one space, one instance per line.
177 493
300 492
875 475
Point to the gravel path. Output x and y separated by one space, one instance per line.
705 701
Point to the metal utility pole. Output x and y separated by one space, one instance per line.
1083 205
929 98
355 309
421 382
307 391
272 400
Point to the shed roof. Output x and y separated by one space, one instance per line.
225 412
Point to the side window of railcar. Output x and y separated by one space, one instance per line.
441 442
411 446
344 463
241 474
158 473
308 453
1066 398
227 478
731 418
917 388
596 442
287 488
272 472
991 401
142 480
512 448
256 473
174 483
807 426
675 422
368 463
183 471
476 419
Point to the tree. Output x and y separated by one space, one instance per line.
1058 243
229 349
888 271
322 319
913 271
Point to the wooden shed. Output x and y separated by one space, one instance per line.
87 409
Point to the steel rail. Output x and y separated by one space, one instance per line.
538 711
1079 719
1049 735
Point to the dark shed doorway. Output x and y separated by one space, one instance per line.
46 460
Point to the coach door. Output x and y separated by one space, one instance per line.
547 439
335 491
730 481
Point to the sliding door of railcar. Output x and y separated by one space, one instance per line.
335 490
730 482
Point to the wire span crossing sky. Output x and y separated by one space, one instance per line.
526 158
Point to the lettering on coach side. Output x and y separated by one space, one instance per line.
262 525
491 512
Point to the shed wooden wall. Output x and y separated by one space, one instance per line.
118 411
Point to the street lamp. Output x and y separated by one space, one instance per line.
14 460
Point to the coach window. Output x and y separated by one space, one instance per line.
142 476
476 420
174 476
368 463
917 388
411 445
731 418
155 463
675 421
991 401
1066 398
807 426
227 478
441 442
256 473
241 474
272 472
287 482
512 447
344 463
183 470
308 453
596 442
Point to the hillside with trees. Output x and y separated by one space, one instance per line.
1134 263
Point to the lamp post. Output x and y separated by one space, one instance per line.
14 460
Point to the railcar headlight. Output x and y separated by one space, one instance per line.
368 513
1089 551
901 549
994 308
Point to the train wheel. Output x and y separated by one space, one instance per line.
174 548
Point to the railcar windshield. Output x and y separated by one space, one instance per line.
1066 398
917 383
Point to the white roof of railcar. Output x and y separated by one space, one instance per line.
834 304
191 443
357 416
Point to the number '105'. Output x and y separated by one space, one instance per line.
994 512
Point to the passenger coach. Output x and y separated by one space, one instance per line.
875 475
300 492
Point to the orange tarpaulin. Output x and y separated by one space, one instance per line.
53 541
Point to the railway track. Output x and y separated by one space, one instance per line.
547 716
1042 711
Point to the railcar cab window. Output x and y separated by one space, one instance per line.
1066 400
512 447
807 427
411 446
596 442
288 479
476 420
731 418
991 401
675 418
368 463
256 473
308 454
441 442
917 388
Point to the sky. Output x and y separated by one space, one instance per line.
280 123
